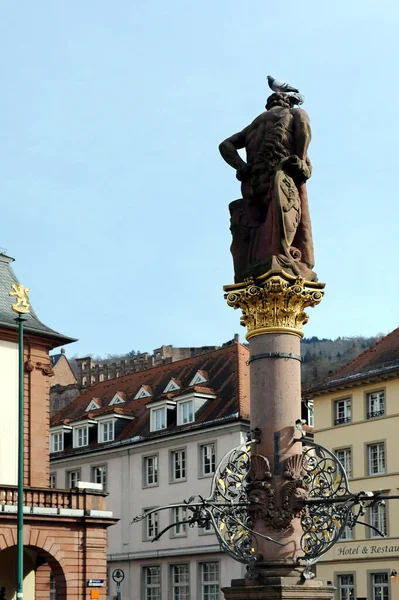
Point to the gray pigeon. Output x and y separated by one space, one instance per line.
279 86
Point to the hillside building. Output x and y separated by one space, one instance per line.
90 371
356 414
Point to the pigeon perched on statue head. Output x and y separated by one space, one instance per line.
279 86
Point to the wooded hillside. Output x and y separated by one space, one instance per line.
322 356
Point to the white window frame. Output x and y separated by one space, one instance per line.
179 513
347 533
180 586
104 435
375 404
69 475
380 468
207 581
178 457
346 586
57 441
207 464
158 424
85 436
342 411
149 586
380 590
344 455
185 412
151 470
310 409
99 474
150 525
53 480
378 518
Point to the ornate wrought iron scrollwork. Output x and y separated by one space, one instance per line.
331 507
316 489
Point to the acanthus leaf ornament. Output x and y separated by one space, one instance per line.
274 302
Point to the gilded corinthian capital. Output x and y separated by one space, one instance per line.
274 302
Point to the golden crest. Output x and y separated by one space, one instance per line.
21 305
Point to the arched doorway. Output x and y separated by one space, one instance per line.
41 573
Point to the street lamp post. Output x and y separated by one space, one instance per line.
21 307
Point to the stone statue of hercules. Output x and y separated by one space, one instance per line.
270 224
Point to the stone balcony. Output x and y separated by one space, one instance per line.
55 502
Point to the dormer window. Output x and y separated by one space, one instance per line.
57 437
117 399
57 441
158 419
159 414
143 392
93 405
198 378
106 431
185 412
189 404
81 432
81 436
172 386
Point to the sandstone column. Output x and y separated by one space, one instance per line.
273 312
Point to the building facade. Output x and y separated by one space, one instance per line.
64 529
154 438
356 414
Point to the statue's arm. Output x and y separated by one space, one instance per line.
228 150
303 133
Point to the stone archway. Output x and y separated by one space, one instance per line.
39 564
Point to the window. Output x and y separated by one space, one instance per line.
207 459
151 528
343 412
106 431
379 586
345 457
207 528
185 412
179 513
310 407
210 581
53 589
378 519
53 480
375 404
178 465
347 533
72 478
152 583
180 578
151 470
57 441
346 587
99 475
158 419
81 436
376 458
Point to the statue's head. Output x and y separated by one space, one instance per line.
278 99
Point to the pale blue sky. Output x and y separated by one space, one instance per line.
115 197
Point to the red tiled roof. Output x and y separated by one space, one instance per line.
227 378
380 360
